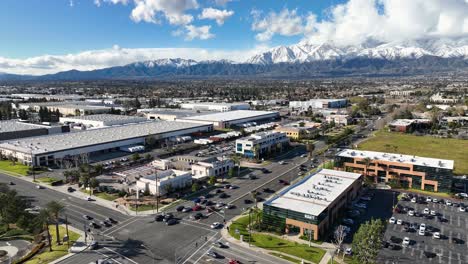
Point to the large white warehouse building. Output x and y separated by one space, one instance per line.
53 149
102 120
220 107
231 118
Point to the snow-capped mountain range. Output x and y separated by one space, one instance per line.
304 52
302 60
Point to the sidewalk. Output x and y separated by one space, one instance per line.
225 234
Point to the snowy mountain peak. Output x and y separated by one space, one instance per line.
177 63
306 51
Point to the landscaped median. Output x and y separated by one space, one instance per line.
293 251
58 251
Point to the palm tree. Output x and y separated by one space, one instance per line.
43 218
256 152
55 209
254 196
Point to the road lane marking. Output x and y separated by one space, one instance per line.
122 226
202 246
120 255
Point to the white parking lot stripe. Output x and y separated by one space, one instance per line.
440 255
458 217
450 220
450 257
412 251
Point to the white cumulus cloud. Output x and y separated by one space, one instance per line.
216 14
285 23
117 56
194 32
357 21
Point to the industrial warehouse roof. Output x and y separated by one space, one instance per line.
15 125
231 115
407 122
105 118
61 142
316 192
407 159
174 112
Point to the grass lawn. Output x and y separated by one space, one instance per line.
18 168
58 251
423 146
288 258
302 251
440 194
144 207
102 195
47 180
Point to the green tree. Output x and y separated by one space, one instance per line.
43 221
367 241
98 169
93 184
148 156
135 156
237 161
55 209
195 187
212 180
231 172
254 195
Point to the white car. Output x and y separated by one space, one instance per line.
406 242
38 187
428 199
303 155
422 232
413 200
436 235
435 200
462 209
281 162
399 222
426 211
448 202
433 212
411 212
392 220
215 225
422 227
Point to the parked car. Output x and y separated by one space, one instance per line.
428 199
392 220
171 221
399 222
414 200
111 220
168 217
426 211
197 208
70 189
223 195
462 209
180 208
158 218
411 212
406 242
433 213
348 251
247 201
436 235
422 232
229 206
186 209
448 202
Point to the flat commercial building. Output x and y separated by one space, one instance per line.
220 107
211 167
319 104
314 204
52 149
168 114
164 182
102 120
408 125
261 144
233 118
339 119
14 129
410 171
68 108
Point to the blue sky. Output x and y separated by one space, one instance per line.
48 36
37 27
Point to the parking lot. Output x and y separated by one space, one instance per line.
448 221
